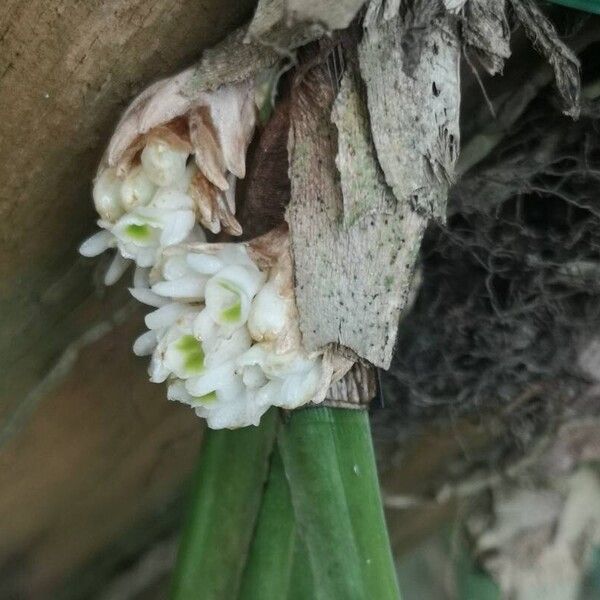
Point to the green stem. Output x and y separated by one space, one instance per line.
330 464
267 574
226 495
301 586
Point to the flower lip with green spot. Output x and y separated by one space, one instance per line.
193 354
209 398
228 302
233 313
139 233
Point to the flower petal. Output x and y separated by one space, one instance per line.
269 314
247 280
145 344
175 267
185 357
227 304
177 227
97 243
211 380
171 199
299 388
223 349
204 263
166 315
117 267
137 189
176 391
188 287
146 296
141 277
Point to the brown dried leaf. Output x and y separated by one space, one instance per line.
158 104
204 194
229 223
207 151
233 114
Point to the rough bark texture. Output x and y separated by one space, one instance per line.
413 95
486 30
344 275
356 229
564 62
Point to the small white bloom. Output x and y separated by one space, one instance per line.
269 313
211 380
293 378
137 189
229 293
205 341
185 357
204 263
177 351
144 231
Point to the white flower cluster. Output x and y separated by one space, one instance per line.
147 210
156 183
216 336
224 334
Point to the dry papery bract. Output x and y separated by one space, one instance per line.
214 127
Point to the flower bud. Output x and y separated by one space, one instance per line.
137 189
107 195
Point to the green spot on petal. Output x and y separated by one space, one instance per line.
193 353
233 313
209 398
140 233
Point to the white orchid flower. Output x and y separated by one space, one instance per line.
223 334
139 218
230 407
227 340
293 378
